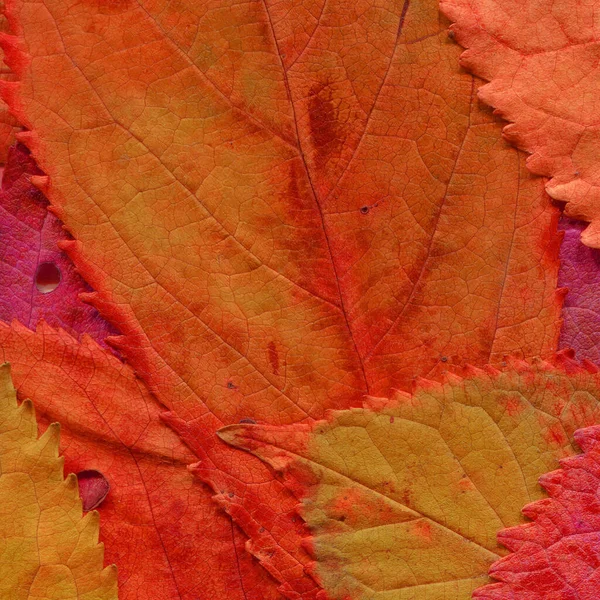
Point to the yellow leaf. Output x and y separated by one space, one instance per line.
405 496
47 550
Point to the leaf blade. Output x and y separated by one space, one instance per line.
237 259
49 549
540 83
407 498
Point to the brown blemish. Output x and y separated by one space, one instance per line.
273 357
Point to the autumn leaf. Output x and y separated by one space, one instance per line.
556 555
37 280
541 61
156 516
404 497
281 210
579 273
49 549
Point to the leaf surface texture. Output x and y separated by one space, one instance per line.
557 554
282 207
404 498
541 61
29 234
49 549
157 514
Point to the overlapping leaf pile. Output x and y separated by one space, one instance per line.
49 549
405 496
284 208
541 62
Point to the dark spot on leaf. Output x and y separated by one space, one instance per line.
47 277
444 359
231 385
364 210
93 488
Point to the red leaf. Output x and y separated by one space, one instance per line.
281 209
37 280
580 274
404 497
558 555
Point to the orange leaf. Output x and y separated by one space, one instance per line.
156 515
541 61
404 497
282 208
48 548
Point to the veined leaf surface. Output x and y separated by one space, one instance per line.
282 207
556 555
405 497
49 549
157 515
541 61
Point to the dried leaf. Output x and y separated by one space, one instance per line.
47 548
282 208
405 497
541 61
580 274
37 280
9 126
